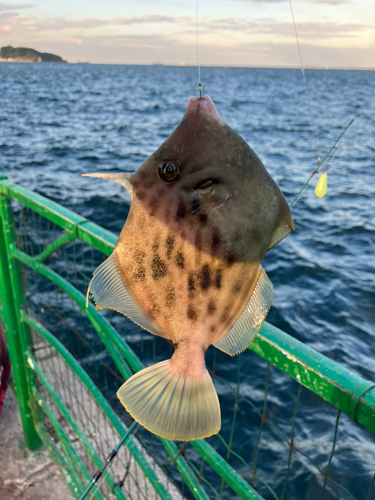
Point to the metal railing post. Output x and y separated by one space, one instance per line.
17 333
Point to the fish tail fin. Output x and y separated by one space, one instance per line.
171 405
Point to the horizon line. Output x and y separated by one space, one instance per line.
184 65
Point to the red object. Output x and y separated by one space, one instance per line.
4 369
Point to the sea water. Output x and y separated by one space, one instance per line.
59 121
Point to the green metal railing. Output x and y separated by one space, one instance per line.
68 360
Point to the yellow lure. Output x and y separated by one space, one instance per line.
321 187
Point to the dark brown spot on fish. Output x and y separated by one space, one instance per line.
140 275
154 309
198 241
158 268
191 284
204 277
216 239
180 260
218 278
169 296
141 195
153 206
192 313
179 343
181 212
155 245
213 328
225 315
169 244
237 288
230 258
136 182
211 307
139 256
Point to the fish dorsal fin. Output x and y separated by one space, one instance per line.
244 330
123 179
109 291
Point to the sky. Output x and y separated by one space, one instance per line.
334 33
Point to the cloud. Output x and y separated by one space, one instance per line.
143 39
58 24
270 27
184 26
5 7
16 23
148 48
329 2
265 1
76 41
151 18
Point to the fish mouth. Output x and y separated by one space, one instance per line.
203 106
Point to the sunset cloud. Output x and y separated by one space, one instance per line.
186 25
329 2
246 37
76 41
4 6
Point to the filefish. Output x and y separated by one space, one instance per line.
204 212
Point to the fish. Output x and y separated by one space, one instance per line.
187 265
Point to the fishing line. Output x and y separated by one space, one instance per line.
321 188
303 72
197 39
322 162
98 476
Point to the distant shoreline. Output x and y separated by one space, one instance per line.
30 62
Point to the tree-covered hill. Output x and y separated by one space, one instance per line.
28 55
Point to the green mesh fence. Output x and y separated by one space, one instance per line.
75 361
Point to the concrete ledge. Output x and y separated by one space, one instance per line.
25 475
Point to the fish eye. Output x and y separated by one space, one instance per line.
168 171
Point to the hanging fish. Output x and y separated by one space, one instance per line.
321 187
186 266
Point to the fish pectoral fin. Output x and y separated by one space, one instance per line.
122 178
244 331
109 291
171 405
206 200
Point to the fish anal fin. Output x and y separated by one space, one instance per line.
244 331
109 292
171 405
120 178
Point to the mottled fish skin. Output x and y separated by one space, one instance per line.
193 274
193 296
190 252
